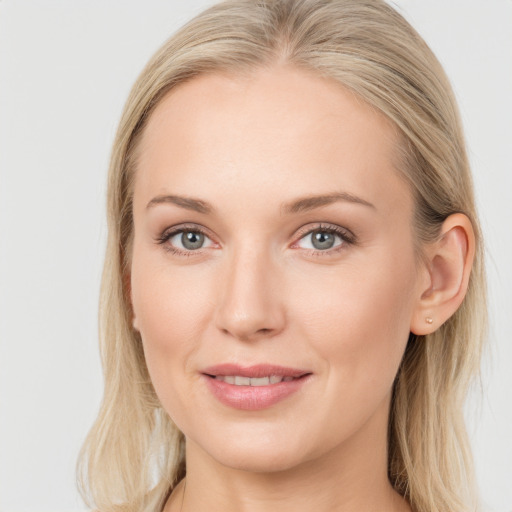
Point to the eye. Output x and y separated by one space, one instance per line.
189 240
185 240
324 238
320 240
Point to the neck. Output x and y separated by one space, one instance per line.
351 477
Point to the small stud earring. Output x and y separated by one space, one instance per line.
429 320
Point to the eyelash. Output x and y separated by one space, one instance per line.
346 236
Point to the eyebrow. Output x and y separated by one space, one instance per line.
306 204
300 205
188 203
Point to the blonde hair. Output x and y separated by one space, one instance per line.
134 454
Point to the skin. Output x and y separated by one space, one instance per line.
259 292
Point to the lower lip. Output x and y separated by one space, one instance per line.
253 398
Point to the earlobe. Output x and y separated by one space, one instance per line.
449 262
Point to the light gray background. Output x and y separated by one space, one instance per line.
65 70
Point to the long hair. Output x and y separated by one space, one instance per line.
134 455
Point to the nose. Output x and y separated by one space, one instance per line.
251 304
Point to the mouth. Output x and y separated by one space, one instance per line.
253 387
239 380
255 375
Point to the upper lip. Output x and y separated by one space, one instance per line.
255 371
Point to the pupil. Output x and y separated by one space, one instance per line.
192 240
322 240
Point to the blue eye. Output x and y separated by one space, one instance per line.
325 238
189 240
185 240
320 240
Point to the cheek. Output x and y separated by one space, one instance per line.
359 318
169 304
356 322
163 308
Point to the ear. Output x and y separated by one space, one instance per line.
447 271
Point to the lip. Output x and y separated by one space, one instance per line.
253 398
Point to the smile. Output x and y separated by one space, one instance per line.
238 380
252 388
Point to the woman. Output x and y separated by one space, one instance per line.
293 295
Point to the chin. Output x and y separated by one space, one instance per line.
256 460
254 453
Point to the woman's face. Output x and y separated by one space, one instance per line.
272 239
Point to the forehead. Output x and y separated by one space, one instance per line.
275 129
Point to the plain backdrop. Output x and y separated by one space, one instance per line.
65 71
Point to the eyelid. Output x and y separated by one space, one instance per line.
344 233
187 226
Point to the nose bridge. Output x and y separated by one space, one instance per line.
250 302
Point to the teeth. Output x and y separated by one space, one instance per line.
237 380
263 381
242 381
